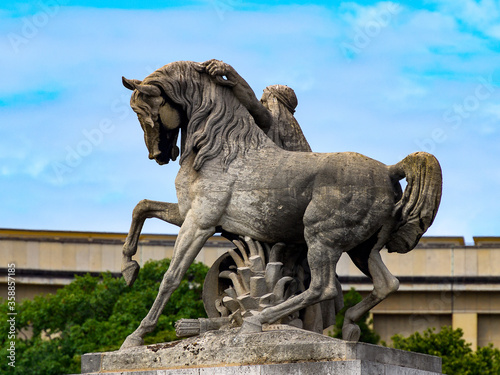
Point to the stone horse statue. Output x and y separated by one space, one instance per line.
234 178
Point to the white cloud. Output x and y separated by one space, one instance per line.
360 16
482 15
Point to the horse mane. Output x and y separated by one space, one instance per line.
217 121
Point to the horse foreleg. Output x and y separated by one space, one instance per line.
384 283
189 242
145 209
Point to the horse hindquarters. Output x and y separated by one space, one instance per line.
414 214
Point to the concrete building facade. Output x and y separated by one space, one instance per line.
442 281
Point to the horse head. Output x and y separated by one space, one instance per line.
159 119
181 95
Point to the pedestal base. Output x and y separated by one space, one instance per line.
288 351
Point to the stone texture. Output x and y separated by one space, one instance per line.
294 350
236 178
324 368
91 362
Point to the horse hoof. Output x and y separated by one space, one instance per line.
251 325
130 270
351 332
132 341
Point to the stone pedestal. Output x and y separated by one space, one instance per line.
281 351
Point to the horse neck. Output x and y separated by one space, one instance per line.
219 127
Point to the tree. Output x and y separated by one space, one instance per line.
458 357
351 298
95 314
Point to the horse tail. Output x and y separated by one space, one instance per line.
417 208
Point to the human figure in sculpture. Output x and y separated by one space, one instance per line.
273 113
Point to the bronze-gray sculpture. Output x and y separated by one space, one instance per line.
233 178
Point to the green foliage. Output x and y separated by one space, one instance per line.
458 357
95 314
351 298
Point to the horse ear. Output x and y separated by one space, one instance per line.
130 84
135 84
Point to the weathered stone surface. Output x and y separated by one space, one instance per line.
239 176
355 367
297 350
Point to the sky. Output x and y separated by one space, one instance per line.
381 78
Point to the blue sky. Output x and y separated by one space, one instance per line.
381 78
